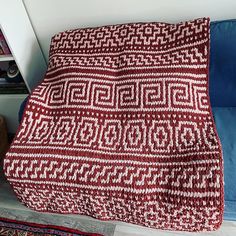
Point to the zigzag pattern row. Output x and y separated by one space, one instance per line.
186 56
165 180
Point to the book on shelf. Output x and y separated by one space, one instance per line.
1 50
4 49
12 88
14 91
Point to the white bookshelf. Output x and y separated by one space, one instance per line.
26 52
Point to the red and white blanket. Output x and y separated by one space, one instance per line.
121 129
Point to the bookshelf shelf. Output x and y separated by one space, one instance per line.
12 93
26 54
11 80
6 58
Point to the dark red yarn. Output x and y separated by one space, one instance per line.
121 129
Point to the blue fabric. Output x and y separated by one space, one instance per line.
225 120
230 210
22 108
223 63
223 100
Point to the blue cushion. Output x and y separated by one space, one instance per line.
223 63
223 99
225 119
22 108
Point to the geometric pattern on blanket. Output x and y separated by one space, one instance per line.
121 129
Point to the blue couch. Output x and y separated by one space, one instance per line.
223 102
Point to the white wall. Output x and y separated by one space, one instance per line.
51 16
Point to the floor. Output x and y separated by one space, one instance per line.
227 229
11 208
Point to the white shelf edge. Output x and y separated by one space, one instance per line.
15 95
6 58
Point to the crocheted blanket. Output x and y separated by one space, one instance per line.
121 129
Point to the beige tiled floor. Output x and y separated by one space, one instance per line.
228 228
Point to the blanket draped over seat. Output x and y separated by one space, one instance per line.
121 128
